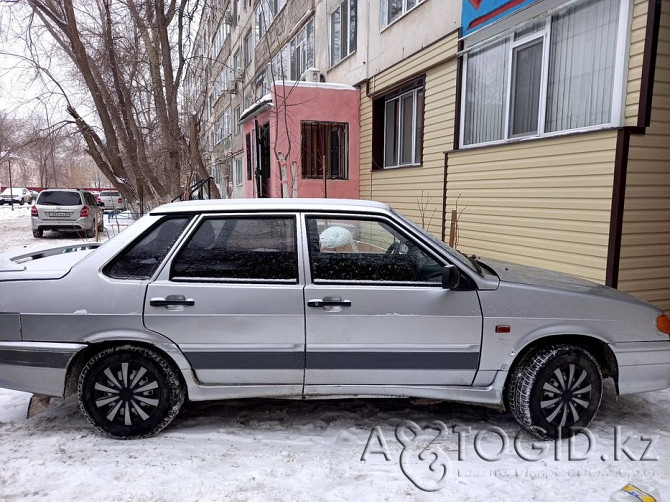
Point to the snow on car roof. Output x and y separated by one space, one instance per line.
269 204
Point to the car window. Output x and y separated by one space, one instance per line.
59 199
141 259
258 249
366 250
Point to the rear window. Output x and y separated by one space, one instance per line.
109 194
60 199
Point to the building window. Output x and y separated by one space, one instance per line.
397 137
342 31
301 50
236 120
237 64
392 10
248 48
555 73
325 142
239 171
266 10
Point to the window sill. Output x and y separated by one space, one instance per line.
348 56
402 16
538 137
393 168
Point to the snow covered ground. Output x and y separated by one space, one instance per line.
312 450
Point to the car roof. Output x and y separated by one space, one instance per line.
285 204
63 190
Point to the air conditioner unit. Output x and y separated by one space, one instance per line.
232 87
239 75
312 75
228 17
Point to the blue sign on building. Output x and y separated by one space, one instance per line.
479 13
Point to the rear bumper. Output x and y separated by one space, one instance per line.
40 368
79 223
643 366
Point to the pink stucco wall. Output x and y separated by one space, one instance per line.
298 101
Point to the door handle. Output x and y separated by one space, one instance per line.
329 303
172 300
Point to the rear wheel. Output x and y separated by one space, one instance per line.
129 392
556 390
90 232
38 233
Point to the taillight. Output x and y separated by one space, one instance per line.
663 324
120 200
84 212
33 211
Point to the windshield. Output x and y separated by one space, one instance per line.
460 257
59 199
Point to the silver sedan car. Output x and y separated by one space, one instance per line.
300 298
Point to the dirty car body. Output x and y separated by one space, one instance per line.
310 298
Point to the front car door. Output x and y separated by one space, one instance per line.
377 317
231 297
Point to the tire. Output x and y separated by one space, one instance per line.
90 233
111 402
555 391
22 202
38 233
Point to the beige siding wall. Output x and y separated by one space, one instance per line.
545 203
637 38
415 191
644 267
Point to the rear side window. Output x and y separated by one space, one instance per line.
59 199
258 249
141 259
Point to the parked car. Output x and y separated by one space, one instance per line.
18 195
65 209
111 199
306 298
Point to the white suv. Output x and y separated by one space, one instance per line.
19 195
66 209
111 199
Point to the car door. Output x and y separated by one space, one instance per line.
377 316
231 297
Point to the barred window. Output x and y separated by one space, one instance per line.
325 143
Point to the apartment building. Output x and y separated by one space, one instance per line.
278 85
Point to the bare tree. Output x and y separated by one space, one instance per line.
129 59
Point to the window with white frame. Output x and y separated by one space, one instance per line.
239 171
236 120
219 39
555 73
392 10
301 50
342 31
398 117
266 10
248 48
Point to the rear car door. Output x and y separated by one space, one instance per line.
231 297
377 316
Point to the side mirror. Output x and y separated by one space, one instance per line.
451 277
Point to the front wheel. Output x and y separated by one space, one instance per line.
556 390
38 233
129 392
